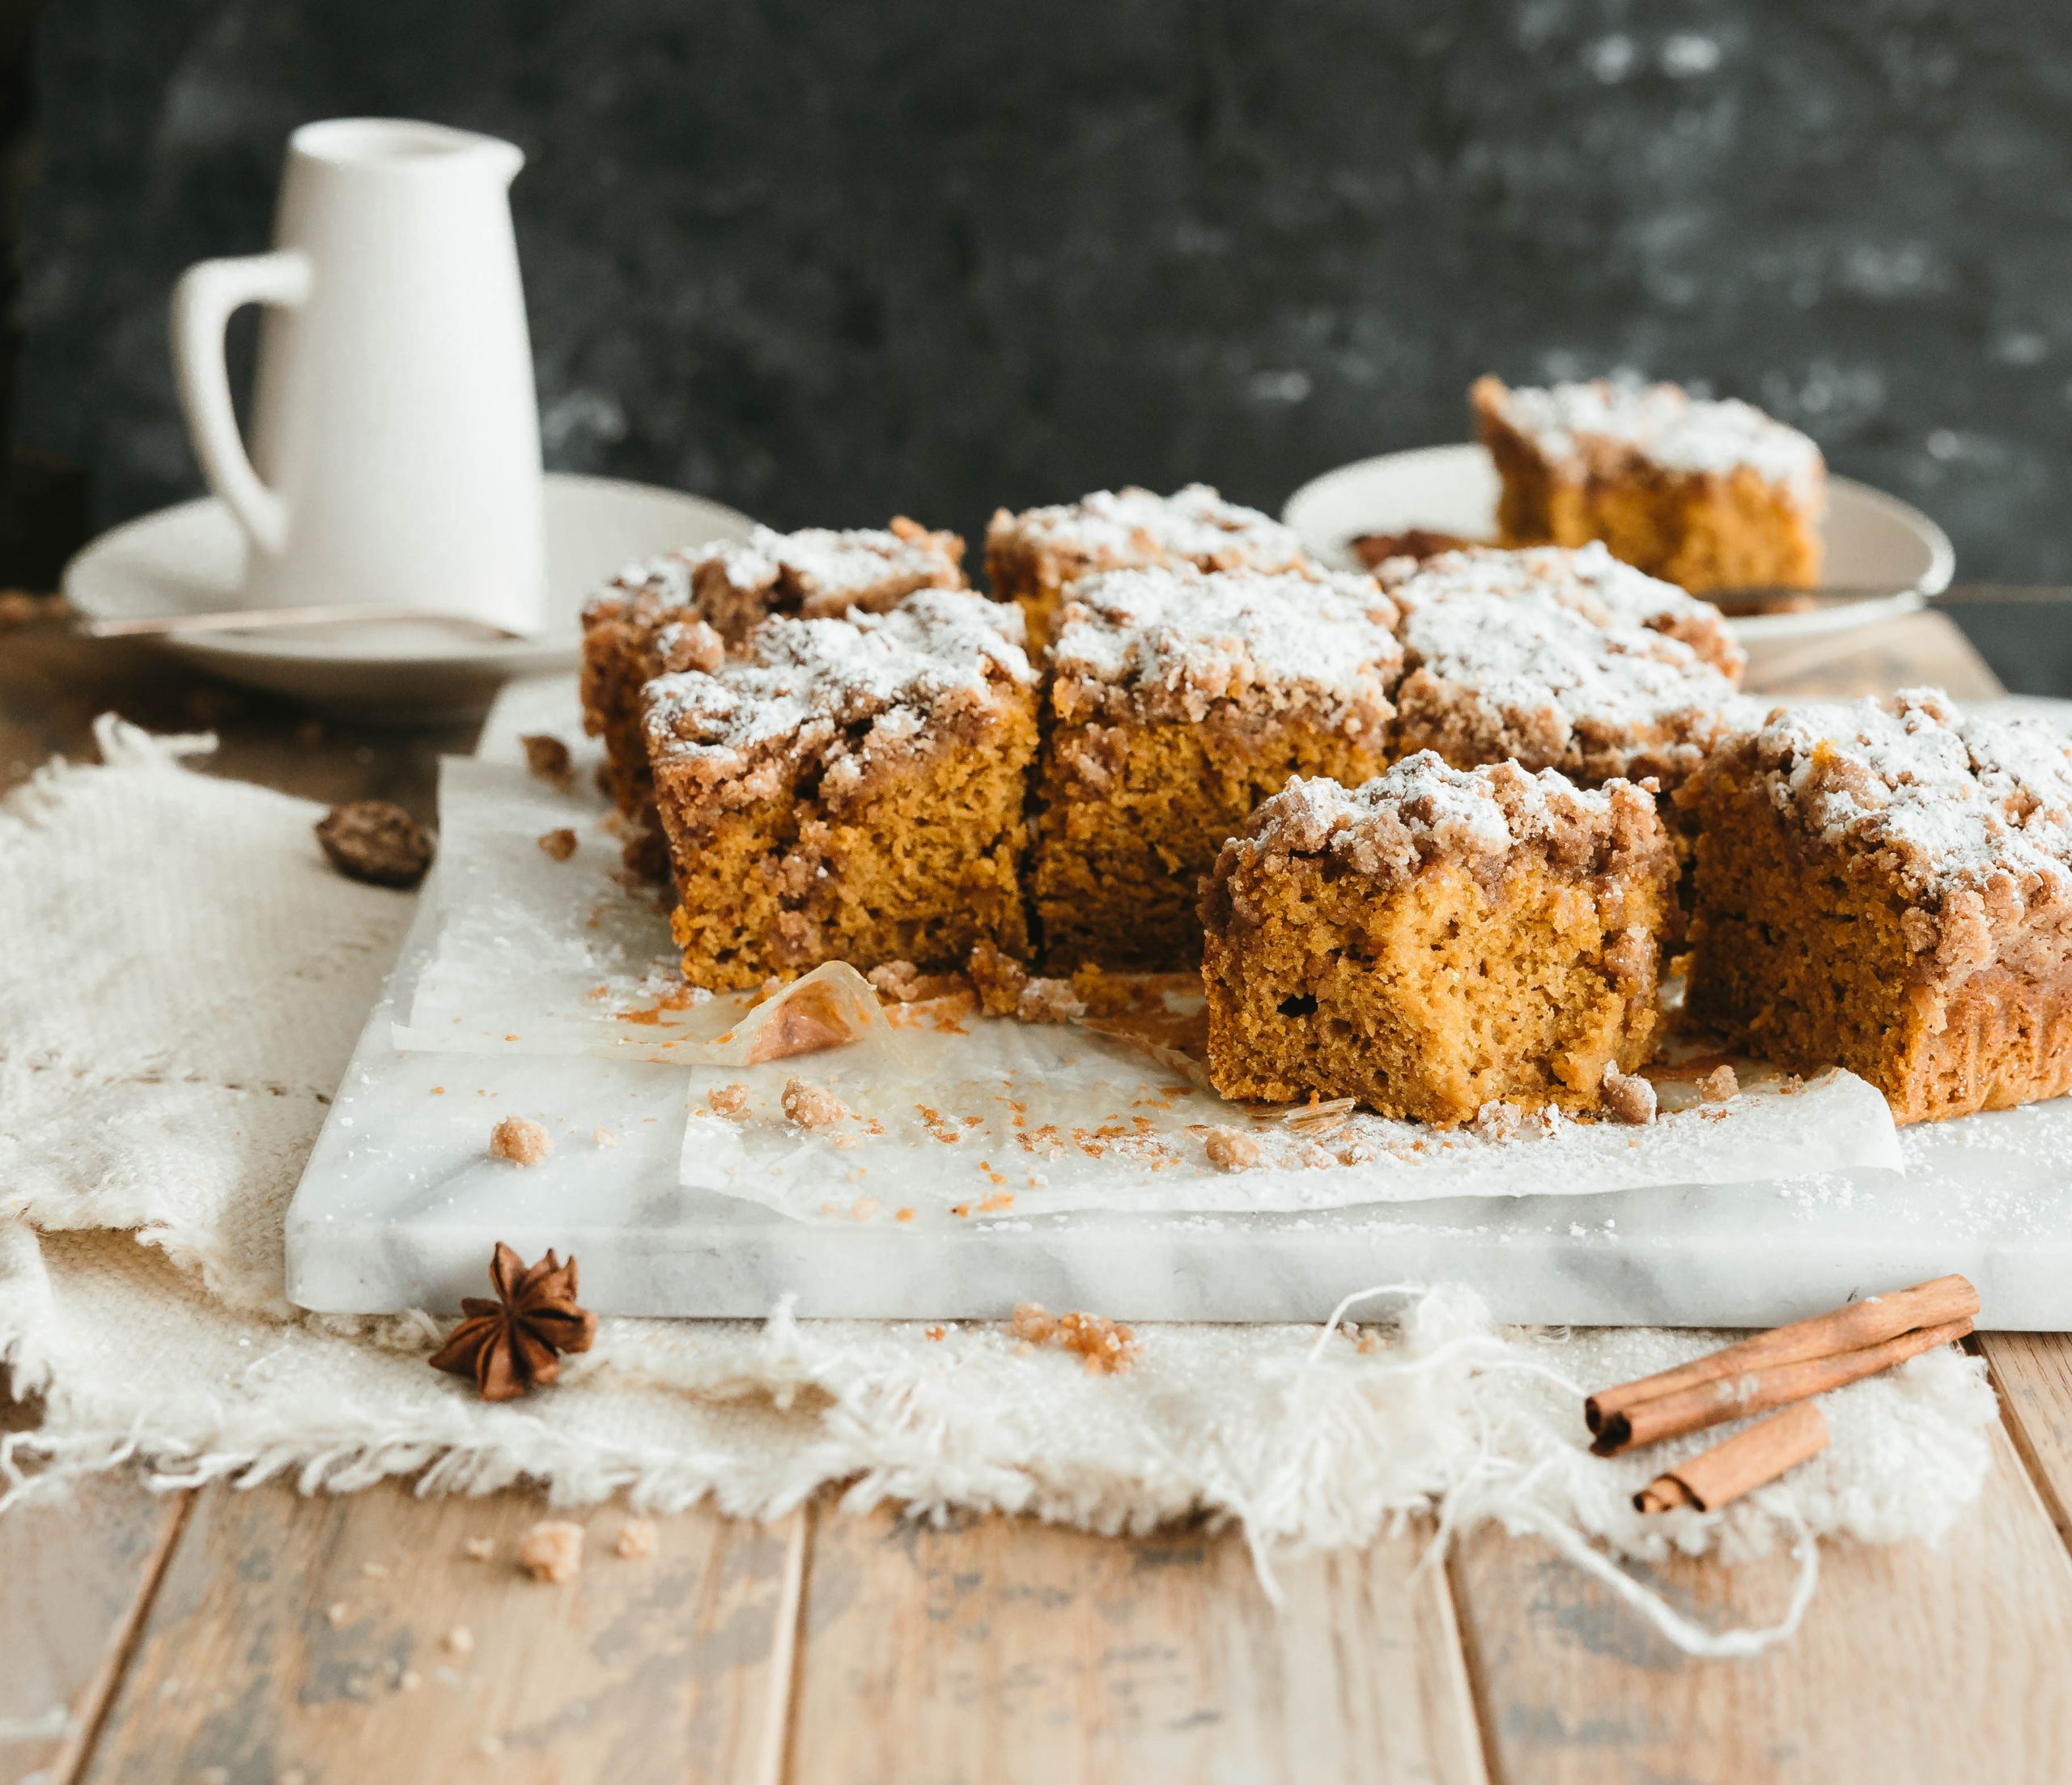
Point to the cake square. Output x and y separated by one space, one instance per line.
1034 557
849 789
1178 700
683 610
1558 659
1438 940
1887 887
1707 495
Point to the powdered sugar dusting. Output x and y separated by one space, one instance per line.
1233 633
804 680
1118 528
1955 800
1587 580
1662 422
1422 808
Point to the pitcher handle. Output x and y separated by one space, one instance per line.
202 303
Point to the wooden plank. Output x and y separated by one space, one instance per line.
2033 1373
1919 648
1914 1664
998 1650
75 1574
316 1638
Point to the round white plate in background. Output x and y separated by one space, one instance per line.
1873 541
191 559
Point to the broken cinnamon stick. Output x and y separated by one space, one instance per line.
1757 1391
1739 1466
1860 1325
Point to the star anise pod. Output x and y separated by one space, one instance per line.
512 1344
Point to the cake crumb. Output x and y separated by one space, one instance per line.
810 1106
559 844
998 978
1498 1122
1049 1001
898 980
636 1541
1106 1346
1103 994
552 1550
730 1100
460 1640
410 1679
375 841
1232 1149
547 757
479 1548
520 1140
1719 1085
602 1136
1627 1097
335 1614
937 1333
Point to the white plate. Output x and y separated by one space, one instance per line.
1873 541
191 559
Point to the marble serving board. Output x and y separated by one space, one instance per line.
399 1205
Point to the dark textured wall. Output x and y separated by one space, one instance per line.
827 260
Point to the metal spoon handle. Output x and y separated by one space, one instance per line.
258 619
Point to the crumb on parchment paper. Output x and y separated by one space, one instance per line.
1719 1085
810 1106
1231 1148
547 757
730 1100
552 1550
520 1140
1106 1346
637 1539
559 844
1627 1097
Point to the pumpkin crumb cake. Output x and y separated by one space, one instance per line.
1707 495
685 610
1437 940
849 789
1558 659
1032 557
1887 887
1178 700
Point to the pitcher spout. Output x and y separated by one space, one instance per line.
405 146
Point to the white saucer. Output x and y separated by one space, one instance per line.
191 559
1873 541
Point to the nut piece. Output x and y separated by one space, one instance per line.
811 1106
560 844
636 1539
552 1550
521 1141
1232 1149
1718 1086
375 841
547 757
730 1100
1629 1098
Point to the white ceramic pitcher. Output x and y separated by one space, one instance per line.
396 435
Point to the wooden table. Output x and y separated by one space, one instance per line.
259 1637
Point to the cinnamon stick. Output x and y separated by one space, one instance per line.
1741 1463
1861 1324
1734 1397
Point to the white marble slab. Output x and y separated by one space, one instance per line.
400 1206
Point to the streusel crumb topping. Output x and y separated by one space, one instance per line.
842 691
1421 811
1117 529
1587 580
1948 801
1178 640
1663 423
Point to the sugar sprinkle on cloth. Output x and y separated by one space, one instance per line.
181 981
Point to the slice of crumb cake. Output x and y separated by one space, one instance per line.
1178 700
1558 659
685 610
1437 940
1034 557
1710 494
1887 887
849 789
